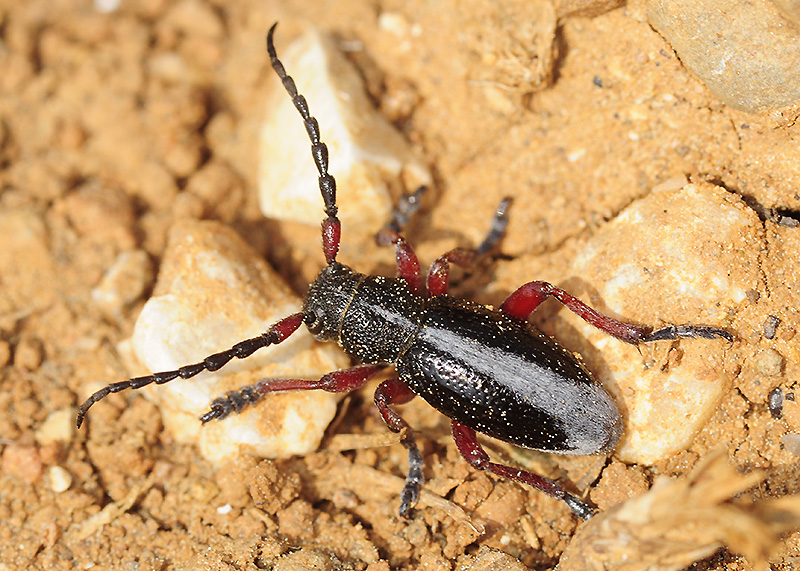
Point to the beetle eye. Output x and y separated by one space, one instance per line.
313 320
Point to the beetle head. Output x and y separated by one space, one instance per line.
327 300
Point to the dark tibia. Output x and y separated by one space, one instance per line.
687 331
402 213
395 391
498 228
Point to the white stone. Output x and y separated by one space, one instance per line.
213 291
368 157
124 282
745 52
676 257
59 478
59 426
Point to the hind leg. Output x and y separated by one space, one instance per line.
439 273
473 452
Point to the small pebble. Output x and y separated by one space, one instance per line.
769 363
59 426
204 490
775 402
394 23
124 282
226 509
792 443
59 478
29 353
22 462
771 326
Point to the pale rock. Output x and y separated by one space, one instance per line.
124 282
745 51
680 257
370 160
790 9
59 426
213 291
59 479
585 8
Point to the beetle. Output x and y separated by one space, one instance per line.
487 369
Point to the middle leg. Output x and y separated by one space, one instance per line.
408 266
439 273
395 391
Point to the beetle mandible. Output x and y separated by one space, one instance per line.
486 369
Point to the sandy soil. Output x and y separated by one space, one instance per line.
116 125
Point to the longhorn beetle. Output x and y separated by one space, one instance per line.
486 369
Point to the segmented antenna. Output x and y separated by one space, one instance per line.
274 335
331 227
331 233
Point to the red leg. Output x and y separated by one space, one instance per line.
408 266
342 381
407 261
438 274
395 391
527 298
473 452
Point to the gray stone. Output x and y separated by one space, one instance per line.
746 52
